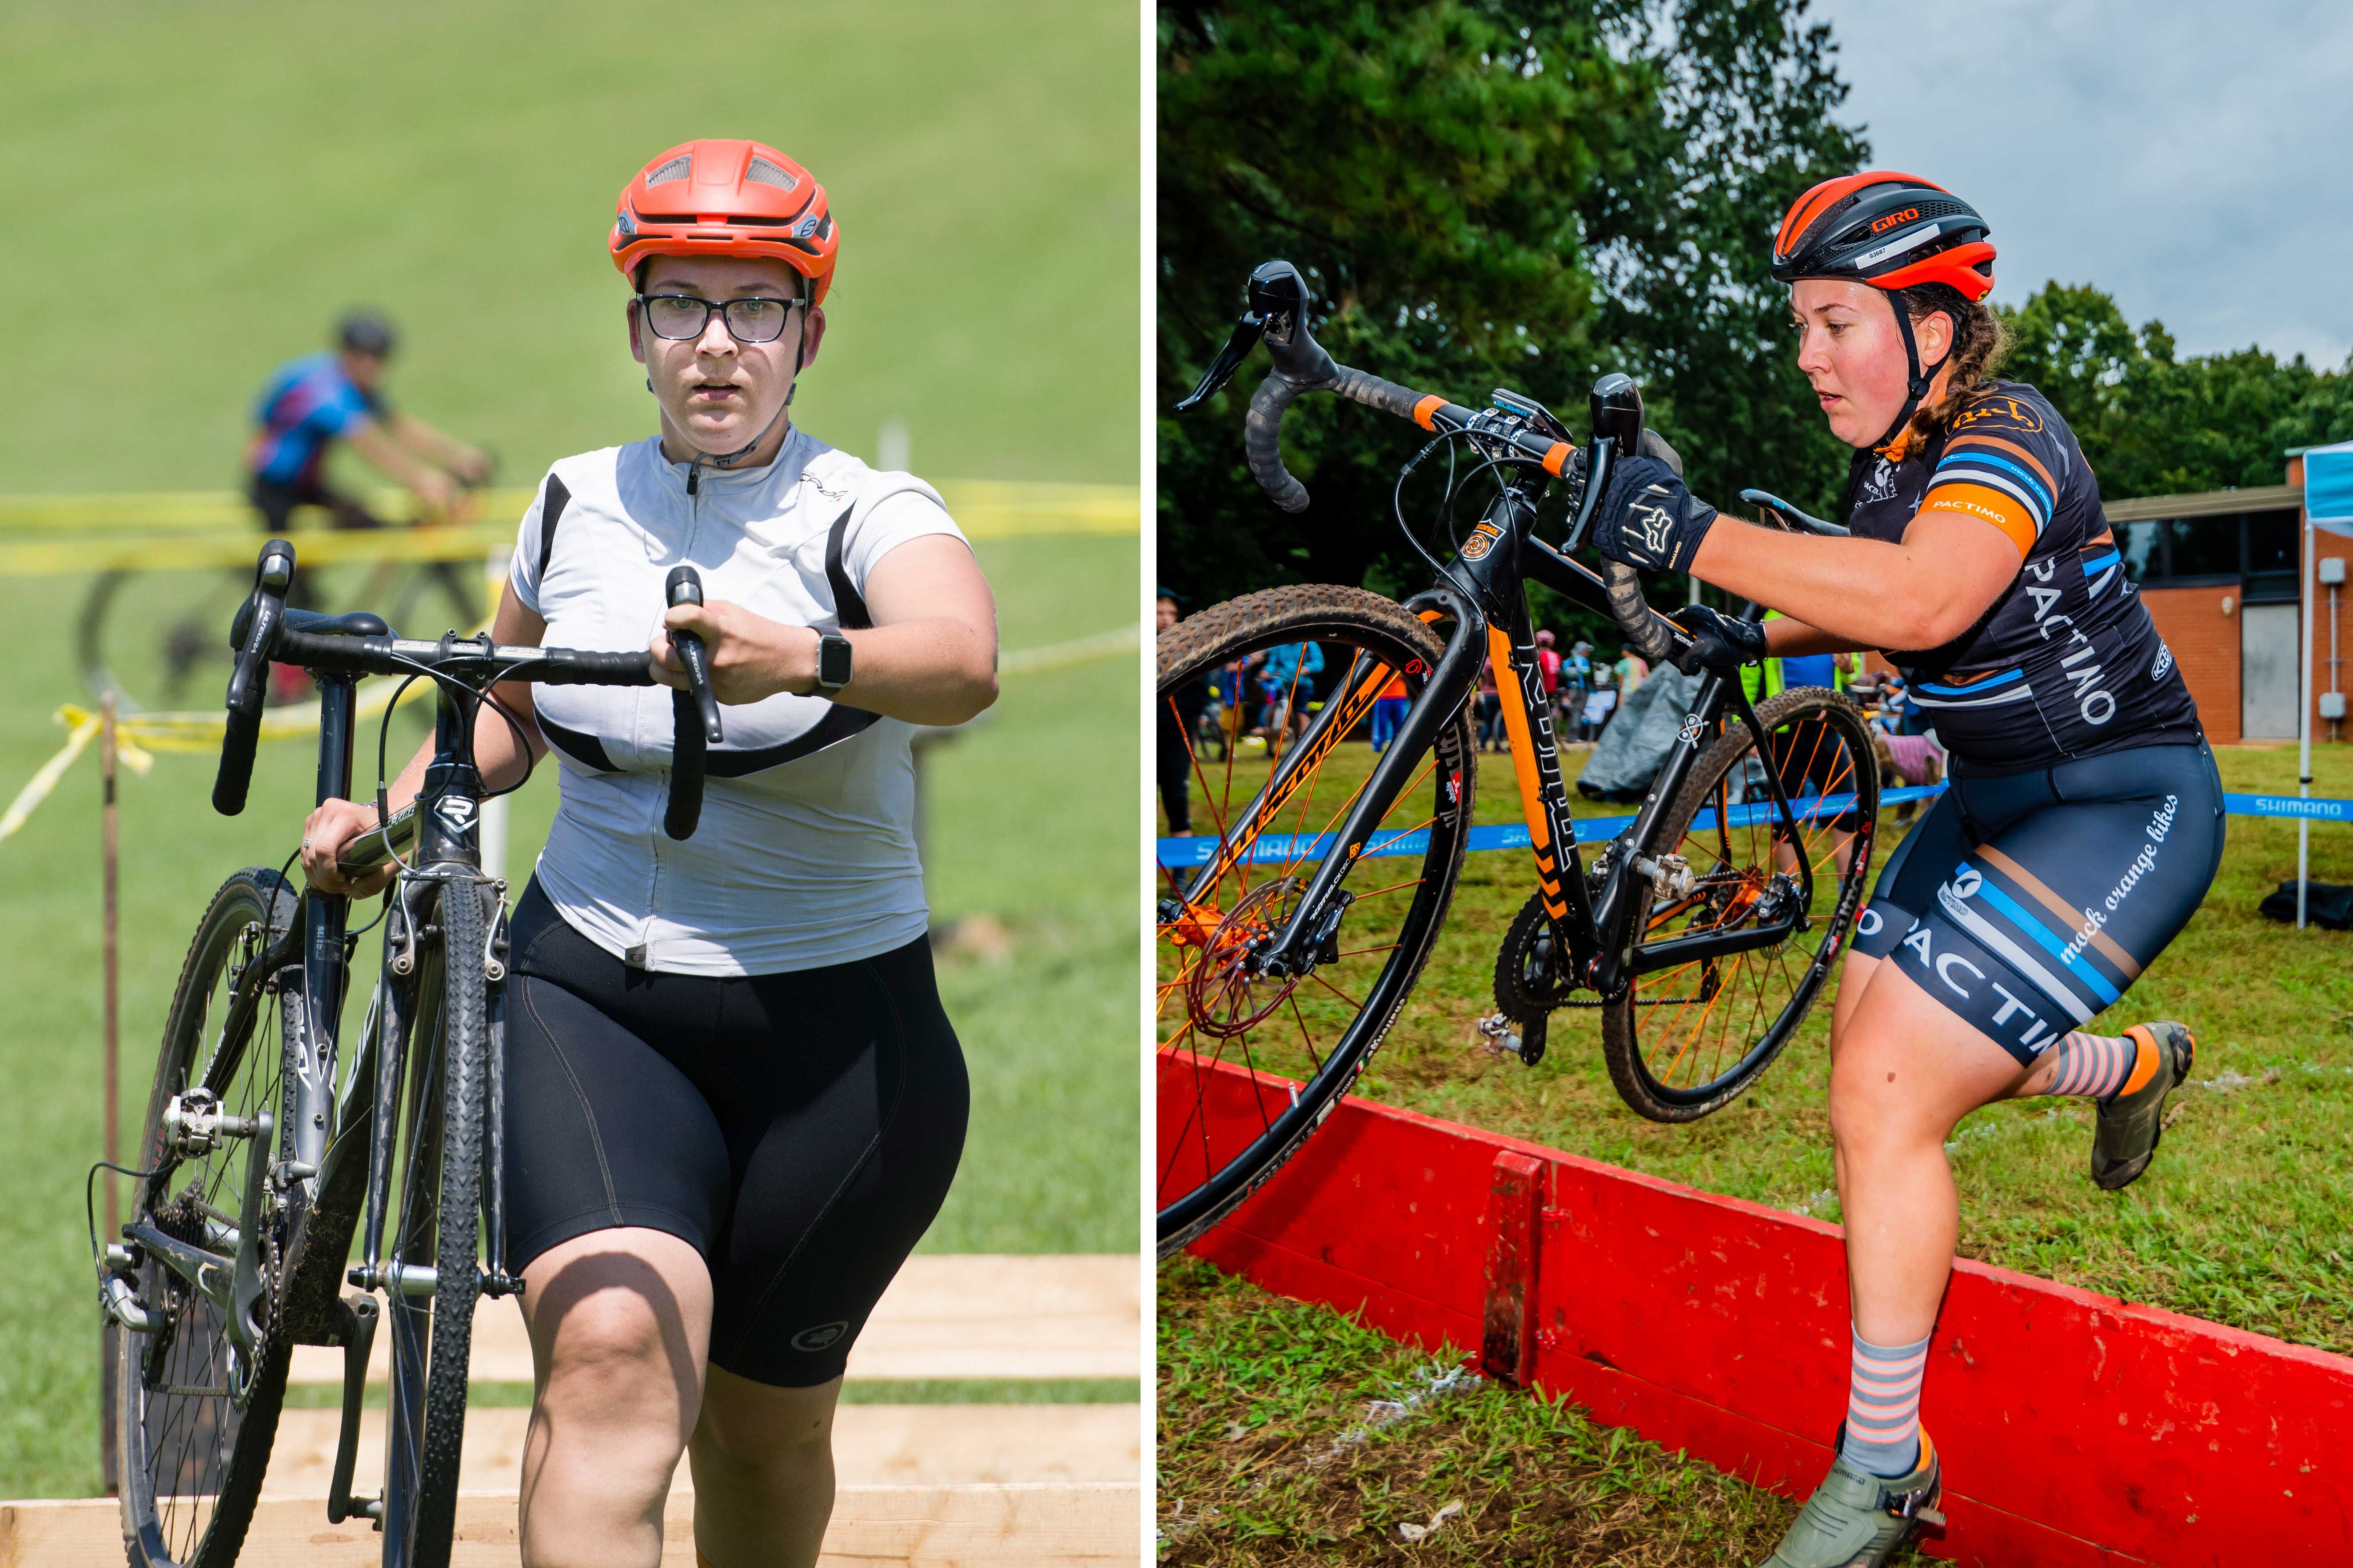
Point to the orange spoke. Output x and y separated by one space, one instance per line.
1305 1034
1336 990
1392 888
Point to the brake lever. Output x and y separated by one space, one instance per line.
685 588
1246 335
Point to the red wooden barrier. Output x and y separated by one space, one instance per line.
2076 1429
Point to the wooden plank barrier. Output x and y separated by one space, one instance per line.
2078 1431
1042 1526
946 1316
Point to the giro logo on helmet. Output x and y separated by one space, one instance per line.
1908 214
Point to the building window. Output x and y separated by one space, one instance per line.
2256 549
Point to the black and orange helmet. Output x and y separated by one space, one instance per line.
721 197
1889 230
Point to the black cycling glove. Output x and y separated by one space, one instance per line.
1719 643
1648 519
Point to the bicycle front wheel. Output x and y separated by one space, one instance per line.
1686 1039
430 1263
195 1413
1247 1064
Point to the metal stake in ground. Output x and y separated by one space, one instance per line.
108 951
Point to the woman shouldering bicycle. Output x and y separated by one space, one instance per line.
2084 818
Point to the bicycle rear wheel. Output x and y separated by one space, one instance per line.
1686 1039
431 1257
195 1415
1248 1066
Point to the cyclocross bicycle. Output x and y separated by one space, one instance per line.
256 1170
1291 941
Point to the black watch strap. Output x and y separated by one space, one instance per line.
832 662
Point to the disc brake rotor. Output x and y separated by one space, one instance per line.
1226 995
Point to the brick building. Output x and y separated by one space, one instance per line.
2221 574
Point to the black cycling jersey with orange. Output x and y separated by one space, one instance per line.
2066 663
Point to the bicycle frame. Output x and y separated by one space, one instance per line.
1487 600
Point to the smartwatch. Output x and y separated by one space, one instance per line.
832 662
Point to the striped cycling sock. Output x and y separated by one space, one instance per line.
1882 1407
2104 1065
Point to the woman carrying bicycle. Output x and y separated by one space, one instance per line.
734 1102
2085 819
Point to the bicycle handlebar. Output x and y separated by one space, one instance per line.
358 644
1278 317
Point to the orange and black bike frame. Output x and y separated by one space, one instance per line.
1484 606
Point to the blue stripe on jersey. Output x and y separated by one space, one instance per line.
1972 456
2041 934
1974 686
2101 564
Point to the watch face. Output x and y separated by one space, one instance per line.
833 661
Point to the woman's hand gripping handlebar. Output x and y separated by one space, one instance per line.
1278 317
266 632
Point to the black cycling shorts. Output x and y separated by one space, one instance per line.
2028 902
799 1129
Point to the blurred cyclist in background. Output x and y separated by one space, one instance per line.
311 402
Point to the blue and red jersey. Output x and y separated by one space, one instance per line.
307 403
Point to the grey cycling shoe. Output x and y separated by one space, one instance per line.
1857 1519
2131 1124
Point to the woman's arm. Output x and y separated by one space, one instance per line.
1866 592
502 758
930 657
1794 639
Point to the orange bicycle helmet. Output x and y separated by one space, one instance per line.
1890 230
721 197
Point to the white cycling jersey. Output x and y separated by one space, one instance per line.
806 853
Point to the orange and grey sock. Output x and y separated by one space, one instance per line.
2104 1065
1882 1407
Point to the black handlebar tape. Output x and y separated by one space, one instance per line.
577 667
684 808
685 588
249 682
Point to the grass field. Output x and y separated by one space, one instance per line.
241 173
1289 1432
2240 1218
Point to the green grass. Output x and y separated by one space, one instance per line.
2241 1219
1291 1433
230 177
1050 1162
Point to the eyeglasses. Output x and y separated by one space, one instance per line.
682 317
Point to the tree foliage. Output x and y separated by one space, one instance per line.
2154 424
1481 194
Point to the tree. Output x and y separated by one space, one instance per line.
2153 424
1481 194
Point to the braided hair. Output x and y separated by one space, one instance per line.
1981 339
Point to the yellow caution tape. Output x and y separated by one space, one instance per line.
42 782
137 734
188 531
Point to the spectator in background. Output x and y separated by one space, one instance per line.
1388 711
1548 662
1179 719
1632 670
1287 674
1491 708
1575 681
1599 702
